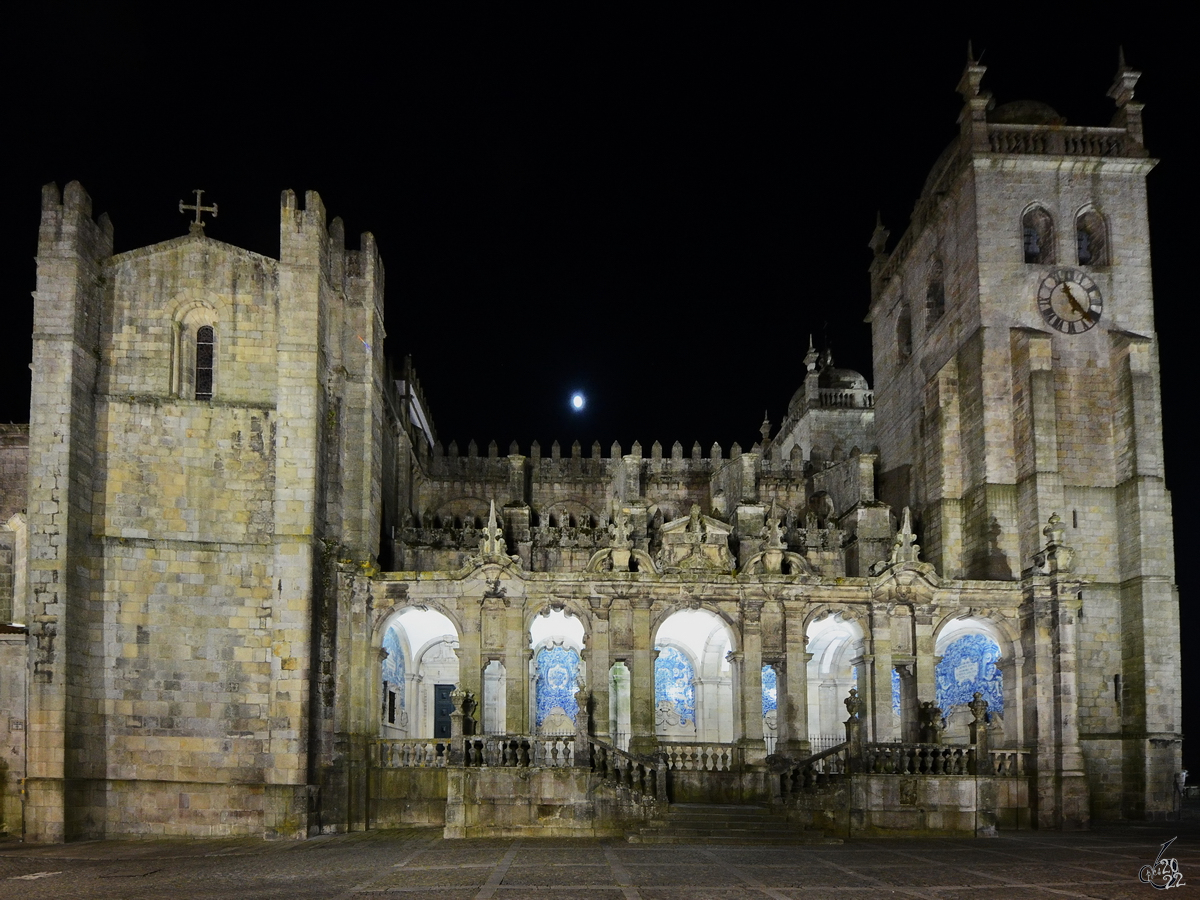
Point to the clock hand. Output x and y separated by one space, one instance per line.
1074 303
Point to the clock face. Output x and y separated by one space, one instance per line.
1069 301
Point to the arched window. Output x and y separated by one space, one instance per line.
205 354
194 361
935 294
1091 238
1037 229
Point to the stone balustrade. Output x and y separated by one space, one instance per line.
1009 763
1065 141
809 773
519 751
422 753
918 759
704 757
645 778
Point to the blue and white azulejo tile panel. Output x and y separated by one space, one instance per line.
393 666
673 677
969 665
770 686
557 670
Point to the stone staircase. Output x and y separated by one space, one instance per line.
705 823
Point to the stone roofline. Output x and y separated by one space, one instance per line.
1117 146
176 242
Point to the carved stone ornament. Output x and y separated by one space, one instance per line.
854 705
492 542
978 707
1057 558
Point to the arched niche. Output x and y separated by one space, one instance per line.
556 639
974 654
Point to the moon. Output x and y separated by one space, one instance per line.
578 401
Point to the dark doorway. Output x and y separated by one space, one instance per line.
442 707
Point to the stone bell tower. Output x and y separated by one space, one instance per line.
1014 325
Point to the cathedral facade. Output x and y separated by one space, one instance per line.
250 592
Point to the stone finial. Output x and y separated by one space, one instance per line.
879 237
1054 532
854 705
619 529
972 76
1056 558
772 532
905 548
492 542
513 449
811 357
765 428
677 451
932 723
1124 81
978 707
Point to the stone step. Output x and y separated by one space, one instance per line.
732 824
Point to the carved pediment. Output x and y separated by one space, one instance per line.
695 543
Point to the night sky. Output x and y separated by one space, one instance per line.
656 213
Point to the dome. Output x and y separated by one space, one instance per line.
843 379
1026 112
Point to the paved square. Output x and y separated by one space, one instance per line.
419 863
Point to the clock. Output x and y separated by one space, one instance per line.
1069 301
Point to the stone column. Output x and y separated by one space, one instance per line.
1051 705
879 701
736 659
516 672
598 675
795 673
751 686
641 688
926 665
470 672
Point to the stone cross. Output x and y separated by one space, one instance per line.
197 227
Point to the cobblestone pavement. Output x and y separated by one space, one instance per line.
1103 863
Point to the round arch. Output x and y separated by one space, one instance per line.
693 680
835 638
415 687
974 655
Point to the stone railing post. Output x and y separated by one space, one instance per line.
979 735
583 753
461 700
855 737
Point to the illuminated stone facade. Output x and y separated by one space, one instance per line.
258 596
